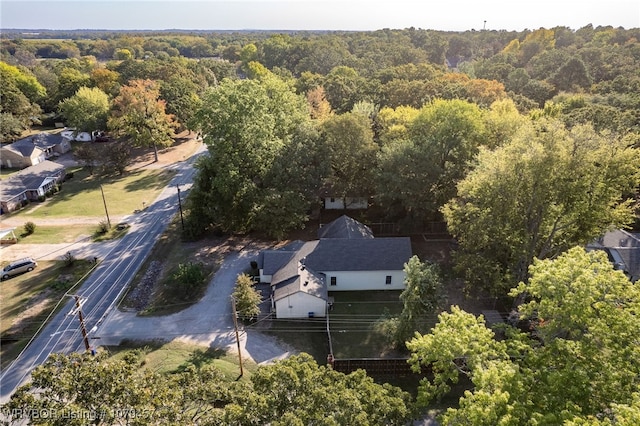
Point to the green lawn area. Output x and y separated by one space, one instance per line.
352 321
81 195
57 234
176 356
28 299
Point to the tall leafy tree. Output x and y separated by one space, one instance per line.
352 154
87 110
418 174
545 191
298 391
248 126
139 115
578 365
247 298
421 298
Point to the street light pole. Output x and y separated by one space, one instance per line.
180 205
105 207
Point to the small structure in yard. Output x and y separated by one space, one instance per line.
346 258
8 236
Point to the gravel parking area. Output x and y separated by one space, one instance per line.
207 323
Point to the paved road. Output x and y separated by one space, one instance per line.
102 289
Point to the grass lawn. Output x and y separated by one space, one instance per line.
81 196
352 321
176 356
28 299
57 234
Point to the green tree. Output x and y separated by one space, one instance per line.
140 116
577 365
418 175
249 126
421 298
247 298
297 391
545 191
352 154
87 110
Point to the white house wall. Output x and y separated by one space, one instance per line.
349 203
299 304
265 278
364 280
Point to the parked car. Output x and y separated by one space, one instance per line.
18 267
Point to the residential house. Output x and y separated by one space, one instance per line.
32 150
346 257
623 249
29 184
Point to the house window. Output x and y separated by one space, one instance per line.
333 200
388 280
334 280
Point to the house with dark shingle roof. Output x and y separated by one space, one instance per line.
346 257
29 184
623 250
32 150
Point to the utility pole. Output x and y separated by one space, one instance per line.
105 207
82 327
235 325
180 205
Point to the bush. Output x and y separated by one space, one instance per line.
29 228
41 198
69 259
190 276
103 227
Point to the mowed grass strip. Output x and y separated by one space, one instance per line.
176 356
45 234
81 196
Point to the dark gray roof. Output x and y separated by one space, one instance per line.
627 246
41 140
345 227
306 281
375 254
291 268
30 178
273 260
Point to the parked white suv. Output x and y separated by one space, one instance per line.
18 267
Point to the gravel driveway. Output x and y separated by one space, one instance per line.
208 323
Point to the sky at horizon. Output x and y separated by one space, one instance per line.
356 15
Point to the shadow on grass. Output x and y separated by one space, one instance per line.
153 180
199 358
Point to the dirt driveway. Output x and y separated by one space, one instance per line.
208 323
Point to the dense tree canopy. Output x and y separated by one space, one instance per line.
578 365
548 189
249 126
79 390
87 110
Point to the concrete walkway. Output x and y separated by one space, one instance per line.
208 323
